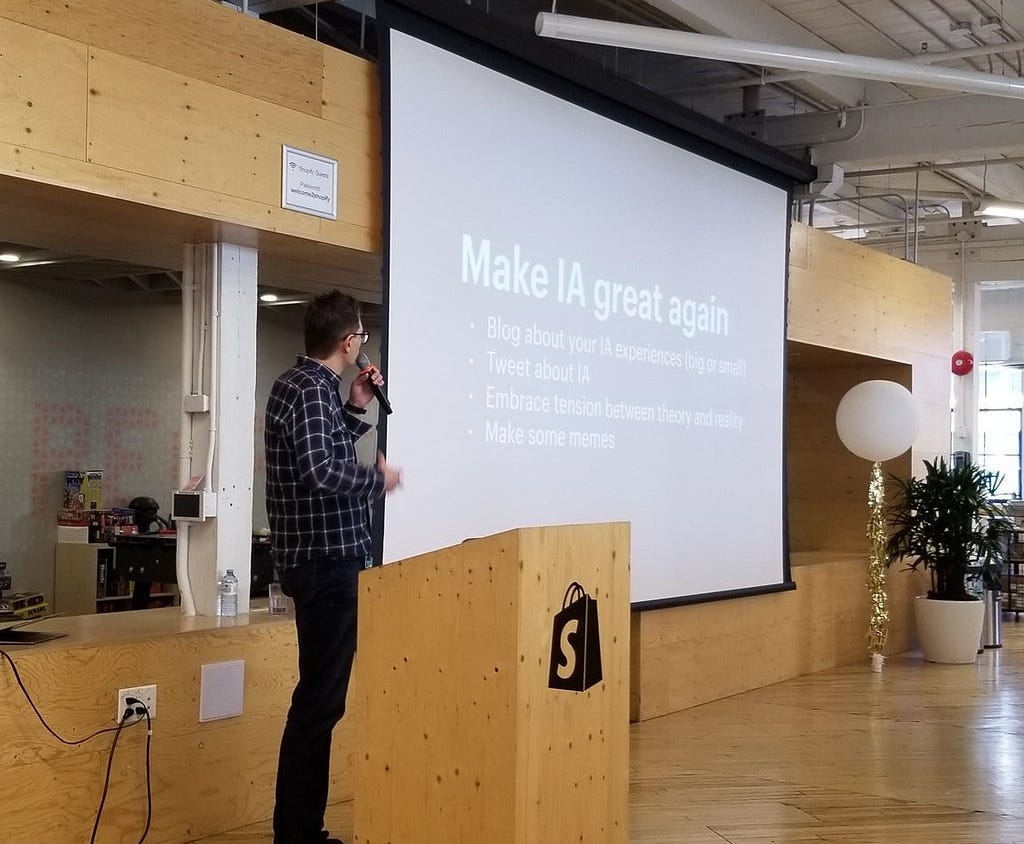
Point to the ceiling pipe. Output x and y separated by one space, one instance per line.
829 63
857 199
939 215
949 165
927 195
920 58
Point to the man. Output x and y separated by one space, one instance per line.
318 503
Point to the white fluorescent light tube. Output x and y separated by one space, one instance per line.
1002 209
827 62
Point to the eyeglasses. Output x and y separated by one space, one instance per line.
363 336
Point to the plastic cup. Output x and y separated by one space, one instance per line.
278 601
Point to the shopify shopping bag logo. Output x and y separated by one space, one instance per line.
575 643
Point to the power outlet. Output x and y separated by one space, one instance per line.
146 694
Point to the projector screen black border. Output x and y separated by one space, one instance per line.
550 67
786 586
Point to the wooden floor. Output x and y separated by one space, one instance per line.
920 753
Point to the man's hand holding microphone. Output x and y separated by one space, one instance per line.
370 384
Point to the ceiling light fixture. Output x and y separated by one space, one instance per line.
827 62
999 208
268 297
9 257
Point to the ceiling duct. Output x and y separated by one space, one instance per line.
830 180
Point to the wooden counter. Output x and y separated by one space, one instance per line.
206 778
100 629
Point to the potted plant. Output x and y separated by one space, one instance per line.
947 523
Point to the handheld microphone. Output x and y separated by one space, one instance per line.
364 364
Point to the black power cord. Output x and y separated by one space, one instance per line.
142 709
135 707
42 720
106 780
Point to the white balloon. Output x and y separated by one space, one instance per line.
877 420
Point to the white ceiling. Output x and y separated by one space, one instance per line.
926 153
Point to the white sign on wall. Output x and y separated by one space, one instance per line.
309 183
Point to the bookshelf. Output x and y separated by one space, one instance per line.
86 581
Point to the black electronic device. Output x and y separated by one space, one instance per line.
12 634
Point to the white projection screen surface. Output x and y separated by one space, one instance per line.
585 324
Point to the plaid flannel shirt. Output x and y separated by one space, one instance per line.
318 495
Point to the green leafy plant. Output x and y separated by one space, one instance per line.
947 523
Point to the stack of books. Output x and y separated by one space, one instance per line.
23 605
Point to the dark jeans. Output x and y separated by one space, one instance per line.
325 592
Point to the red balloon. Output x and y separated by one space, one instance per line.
962 363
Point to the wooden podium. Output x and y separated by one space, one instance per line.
458 736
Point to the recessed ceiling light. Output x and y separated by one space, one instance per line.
268 297
9 257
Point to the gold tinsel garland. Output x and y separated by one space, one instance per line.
878 626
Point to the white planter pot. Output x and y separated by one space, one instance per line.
950 631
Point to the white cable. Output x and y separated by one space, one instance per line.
188 291
214 265
199 378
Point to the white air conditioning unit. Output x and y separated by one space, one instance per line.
1016 357
994 347
1000 348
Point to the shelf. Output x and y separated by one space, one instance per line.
1013 576
81 571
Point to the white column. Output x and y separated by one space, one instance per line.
965 412
224 338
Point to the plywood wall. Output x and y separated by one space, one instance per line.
854 314
206 777
184 105
827 485
696 654
846 297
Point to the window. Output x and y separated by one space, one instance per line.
1000 403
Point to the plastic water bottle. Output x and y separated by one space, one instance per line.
227 595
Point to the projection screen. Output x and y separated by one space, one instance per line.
585 323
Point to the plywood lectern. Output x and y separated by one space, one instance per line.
492 704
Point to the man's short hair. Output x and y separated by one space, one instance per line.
329 317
